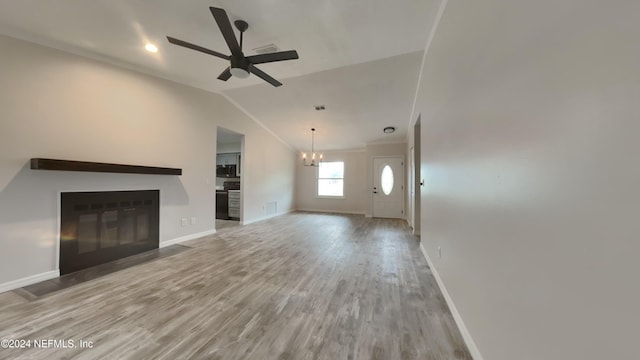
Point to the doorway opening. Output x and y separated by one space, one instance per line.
229 184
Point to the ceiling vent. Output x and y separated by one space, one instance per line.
266 49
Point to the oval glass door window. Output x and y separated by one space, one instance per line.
386 180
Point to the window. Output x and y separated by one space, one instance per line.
386 180
331 178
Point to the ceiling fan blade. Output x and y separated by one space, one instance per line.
227 31
264 76
271 57
196 47
225 75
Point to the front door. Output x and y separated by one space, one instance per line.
388 189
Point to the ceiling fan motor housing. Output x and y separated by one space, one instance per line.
239 67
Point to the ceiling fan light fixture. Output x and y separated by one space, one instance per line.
241 65
239 73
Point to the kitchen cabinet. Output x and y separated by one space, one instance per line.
224 159
234 204
227 158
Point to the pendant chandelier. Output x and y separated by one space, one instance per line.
313 161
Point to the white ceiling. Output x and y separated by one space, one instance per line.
360 58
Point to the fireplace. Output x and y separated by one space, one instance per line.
98 227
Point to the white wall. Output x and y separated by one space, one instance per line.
229 148
530 123
355 164
58 105
358 180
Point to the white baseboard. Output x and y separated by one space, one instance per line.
187 238
471 345
29 280
332 211
247 222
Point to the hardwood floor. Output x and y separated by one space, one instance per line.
223 224
299 286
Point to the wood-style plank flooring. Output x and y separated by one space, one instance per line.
298 286
92 273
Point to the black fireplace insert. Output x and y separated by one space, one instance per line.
98 227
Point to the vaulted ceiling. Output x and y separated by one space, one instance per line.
359 58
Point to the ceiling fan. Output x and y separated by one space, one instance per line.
240 65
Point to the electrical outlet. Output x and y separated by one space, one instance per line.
184 222
439 252
193 220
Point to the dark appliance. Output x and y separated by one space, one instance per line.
226 171
222 205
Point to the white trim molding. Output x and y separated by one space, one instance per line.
432 35
266 217
255 119
466 336
29 280
186 238
332 211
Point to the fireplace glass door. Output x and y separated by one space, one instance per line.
98 227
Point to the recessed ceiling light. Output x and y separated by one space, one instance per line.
151 48
389 129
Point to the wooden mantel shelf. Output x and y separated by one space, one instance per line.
70 165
